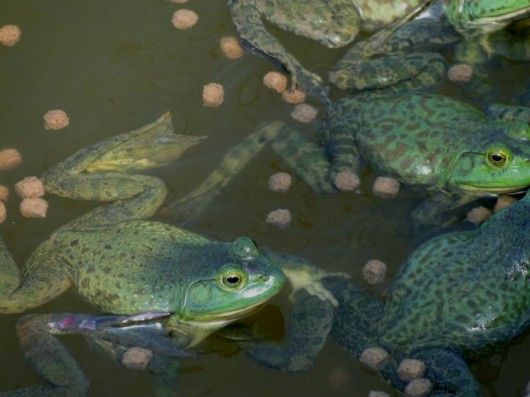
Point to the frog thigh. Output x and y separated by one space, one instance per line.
44 280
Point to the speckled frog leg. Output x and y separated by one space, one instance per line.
307 158
383 61
54 362
247 17
95 173
309 321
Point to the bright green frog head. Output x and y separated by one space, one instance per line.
475 17
219 295
502 165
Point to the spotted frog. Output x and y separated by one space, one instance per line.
156 286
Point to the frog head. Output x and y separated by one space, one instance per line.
475 17
502 165
239 283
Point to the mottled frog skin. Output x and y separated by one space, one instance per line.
164 288
379 61
457 296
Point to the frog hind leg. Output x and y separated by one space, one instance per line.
449 373
39 284
255 37
51 360
100 173
385 60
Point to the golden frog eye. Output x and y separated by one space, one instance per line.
233 280
498 158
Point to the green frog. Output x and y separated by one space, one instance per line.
435 143
457 296
337 23
159 287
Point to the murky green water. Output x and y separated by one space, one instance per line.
114 65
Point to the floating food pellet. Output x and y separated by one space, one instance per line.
55 119
460 73
2 212
418 388
231 48
280 182
374 393
10 35
275 81
385 187
212 95
478 215
34 207
30 186
503 202
279 218
304 113
4 193
184 19
136 358
339 377
293 96
9 158
346 181
410 369
374 358
374 271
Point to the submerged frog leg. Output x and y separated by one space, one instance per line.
357 317
255 37
165 375
383 61
449 373
99 173
307 158
510 113
50 358
440 210
309 321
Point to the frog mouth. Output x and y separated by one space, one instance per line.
493 190
228 316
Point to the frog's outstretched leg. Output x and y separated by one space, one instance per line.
381 61
114 334
309 322
255 37
95 173
307 158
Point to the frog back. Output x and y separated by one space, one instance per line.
466 290
416 138
376 14
132 267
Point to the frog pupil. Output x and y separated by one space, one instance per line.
496 157
232 279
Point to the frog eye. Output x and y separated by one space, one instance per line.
498 158
233 279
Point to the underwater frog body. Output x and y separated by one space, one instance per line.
336 23
164 288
